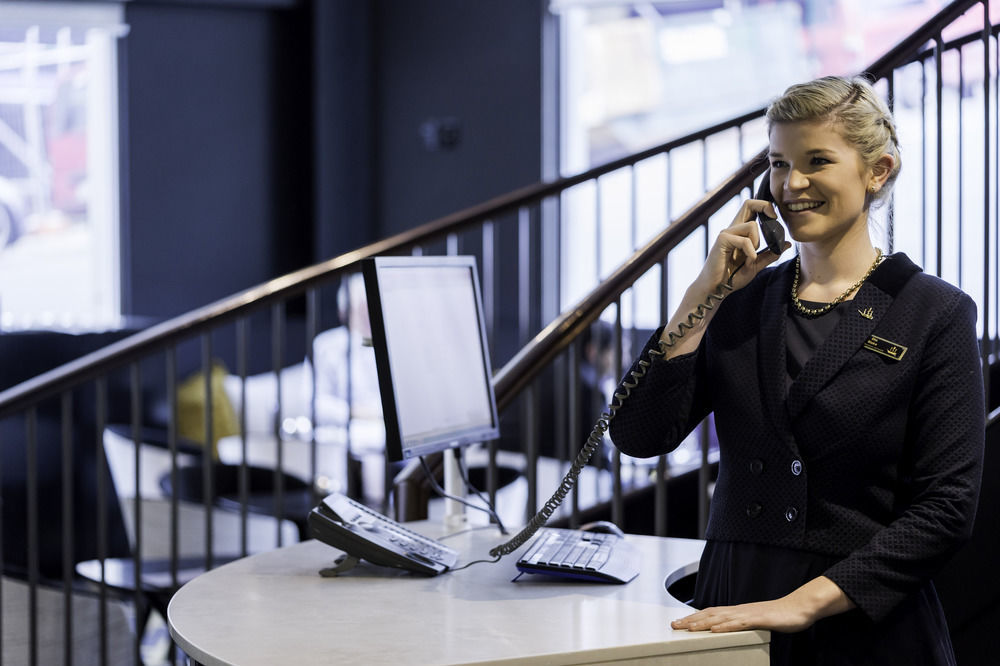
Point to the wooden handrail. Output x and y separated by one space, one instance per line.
555 337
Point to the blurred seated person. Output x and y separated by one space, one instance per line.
597 377
346 376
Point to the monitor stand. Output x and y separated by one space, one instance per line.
454 512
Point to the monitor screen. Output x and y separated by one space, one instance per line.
429 334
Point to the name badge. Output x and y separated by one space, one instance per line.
888 348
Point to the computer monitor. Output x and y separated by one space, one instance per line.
434 371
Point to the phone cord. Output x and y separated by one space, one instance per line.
601 427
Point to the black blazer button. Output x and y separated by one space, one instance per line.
756 466
791 513
753 509
796 467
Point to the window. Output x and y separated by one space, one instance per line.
59 227
635 74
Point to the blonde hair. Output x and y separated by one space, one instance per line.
863 118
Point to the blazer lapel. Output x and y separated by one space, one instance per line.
772 346
855 326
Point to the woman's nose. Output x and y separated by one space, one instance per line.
796 180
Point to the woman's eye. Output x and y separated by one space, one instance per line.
820 160
778 164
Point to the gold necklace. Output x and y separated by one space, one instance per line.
815 312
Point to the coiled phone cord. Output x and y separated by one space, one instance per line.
603 423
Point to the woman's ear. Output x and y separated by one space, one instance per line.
882 169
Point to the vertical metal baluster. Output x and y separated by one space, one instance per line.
242 332
984 348
208 454
170 361
139 600
531 443
524 333
31 426
354 486
575 418
312 326
704 166
489 310
171 381
923 163
598 222
277 347
598 260
660 510
939 129
891 210
961 124
633 227
996 205
703 436
66 420
668 190
451 244
996 209
660 494
101 388
633 296
489 280
617 502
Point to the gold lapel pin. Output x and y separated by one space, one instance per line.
867 313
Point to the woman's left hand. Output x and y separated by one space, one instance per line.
797 611
777 615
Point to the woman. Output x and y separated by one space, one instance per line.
847 394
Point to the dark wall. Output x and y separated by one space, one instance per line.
344 88
477 64
217 177
259 136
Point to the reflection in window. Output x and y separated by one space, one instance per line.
59 247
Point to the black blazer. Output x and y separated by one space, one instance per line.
874 453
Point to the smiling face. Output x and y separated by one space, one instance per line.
819 181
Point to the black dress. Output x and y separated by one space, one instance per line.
730 573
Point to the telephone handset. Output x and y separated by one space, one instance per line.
770 228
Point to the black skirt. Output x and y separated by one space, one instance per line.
914 633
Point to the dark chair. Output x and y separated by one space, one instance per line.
24 355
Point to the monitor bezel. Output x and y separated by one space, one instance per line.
396 449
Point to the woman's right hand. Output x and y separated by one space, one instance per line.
734 254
